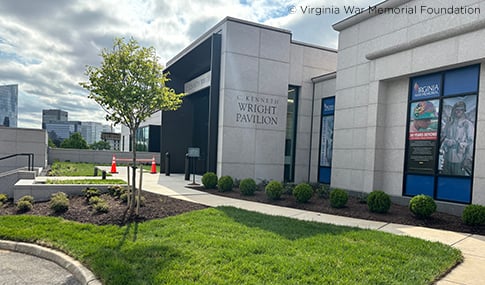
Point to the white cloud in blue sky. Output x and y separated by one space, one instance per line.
45 45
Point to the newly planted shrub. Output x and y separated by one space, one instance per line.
422 206
95 200
247 186
338 198
474 215
27 198
303 192
59 202
378 202
225 183
3 198
323 191
209 180
101 207
24 206
273 190
116 190
91 192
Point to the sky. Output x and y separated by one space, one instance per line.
45 45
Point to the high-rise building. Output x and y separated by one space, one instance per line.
53 116
9 105
91 131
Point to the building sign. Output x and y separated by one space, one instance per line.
193 152
426 87
257 110
198 83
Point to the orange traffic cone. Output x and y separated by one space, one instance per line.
154 166
113 165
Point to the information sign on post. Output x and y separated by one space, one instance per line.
193 153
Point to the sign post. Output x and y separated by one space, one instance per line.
193 153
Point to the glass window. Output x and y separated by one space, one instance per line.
326 140
290 141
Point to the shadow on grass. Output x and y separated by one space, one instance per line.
291 229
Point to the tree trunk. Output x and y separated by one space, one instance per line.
133 184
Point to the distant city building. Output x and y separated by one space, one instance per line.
53 116
112 138
59 131
9 105
91 131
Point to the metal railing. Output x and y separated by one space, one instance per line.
30 156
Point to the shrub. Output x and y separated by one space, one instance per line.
247 186
124 197
338 198
303 192
273 190
95 200
378 202
59 202
91 192
24 206
27 198
3 198
288 188
474 215
116 190
209 180
101 207
422 206
225 183
323 191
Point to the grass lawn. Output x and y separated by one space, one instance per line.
83 169
86 181
231 246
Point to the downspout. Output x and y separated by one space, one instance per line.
311 132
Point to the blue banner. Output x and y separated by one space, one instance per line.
426 87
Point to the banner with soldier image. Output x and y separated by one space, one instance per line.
457 136
423 135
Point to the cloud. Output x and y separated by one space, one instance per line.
46 45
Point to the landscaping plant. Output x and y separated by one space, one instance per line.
338 198
303 192
422 206
209 180
378 202
247 186
474 215
225 183
273 190
59 202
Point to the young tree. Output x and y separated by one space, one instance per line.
101 145
130 86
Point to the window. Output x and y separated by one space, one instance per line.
441 134
326 140
290 141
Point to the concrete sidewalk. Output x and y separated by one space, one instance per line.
472 246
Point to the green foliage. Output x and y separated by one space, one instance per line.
75 141
422 206
247 186
91 192
209 180
72 169
273 190
303 192
378 202
51 143
93 200
323 191
24 206
59 202
27 198
124 197
3 198
101 145
338 198
474 215
101 207
225 183
221 245
116 190
85 181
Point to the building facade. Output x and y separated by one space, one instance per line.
407 115
249 102
9 105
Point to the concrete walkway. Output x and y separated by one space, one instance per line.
471 271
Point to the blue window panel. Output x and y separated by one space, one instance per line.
324 175
425 87
454 189
463 80
419 184
328 106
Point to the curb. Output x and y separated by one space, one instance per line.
80 272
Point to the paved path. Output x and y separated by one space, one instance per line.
469 272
